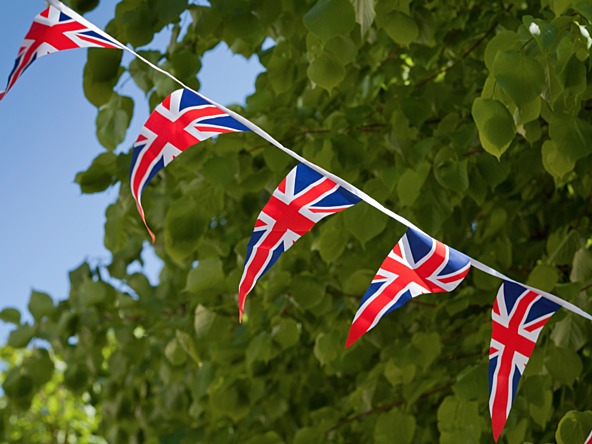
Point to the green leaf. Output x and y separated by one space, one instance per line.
10 315
394 426
330 18
453 175
554 161
410 183
541 411
520 76
39 366
570 333
17 385
260 349
40 305
208 276
276 160
458 421
342 48
364 222
543 277
136 24
184 228
20 336
306 435
559 6
82 6
101 73
571 136
307 291
175 353
267 438
528 112
169 10
115 225
399 27
582 266
365 14
286 333
332 242
545 33
76 376
113 120
203 319
358 281
563 364
495 125
537 391
562 246
503 41
220 170
396 375
100 174
326 70
141 72
188 344
469 383
584 8
93 293
185 63
429 347
574 427
328 347
574 76
493 171
516 434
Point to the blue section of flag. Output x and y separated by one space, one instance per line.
420 244
305 177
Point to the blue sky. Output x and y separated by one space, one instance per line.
47 130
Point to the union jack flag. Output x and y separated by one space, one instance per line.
418 264
182 120
589 439
54 30
302 199
518 316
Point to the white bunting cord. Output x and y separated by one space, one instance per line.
348 186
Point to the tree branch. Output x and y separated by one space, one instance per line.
474 46
383 407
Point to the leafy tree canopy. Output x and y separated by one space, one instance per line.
471 119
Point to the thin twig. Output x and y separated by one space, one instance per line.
385 406
465 54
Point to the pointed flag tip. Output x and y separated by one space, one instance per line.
152 236
497 431
351 338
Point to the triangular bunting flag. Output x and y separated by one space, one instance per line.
418 264
302 199
182 120
518 317
54 30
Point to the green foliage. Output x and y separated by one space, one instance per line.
37 407
574 427
472 120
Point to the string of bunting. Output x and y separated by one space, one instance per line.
417 264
